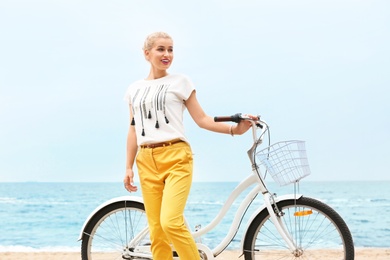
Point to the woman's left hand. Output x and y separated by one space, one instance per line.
243 126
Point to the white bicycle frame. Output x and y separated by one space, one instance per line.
242 210
260 187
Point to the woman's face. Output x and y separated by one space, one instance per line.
161 54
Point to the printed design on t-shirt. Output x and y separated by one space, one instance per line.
150 101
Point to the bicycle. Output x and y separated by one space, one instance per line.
285 227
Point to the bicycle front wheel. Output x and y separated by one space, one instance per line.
317 230
114 232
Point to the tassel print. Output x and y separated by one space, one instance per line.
157 104
144 98
132 106
151 105
164 108
141 107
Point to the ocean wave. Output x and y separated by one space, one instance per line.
16 201
200 203
8 200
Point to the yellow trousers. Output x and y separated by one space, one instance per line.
166 175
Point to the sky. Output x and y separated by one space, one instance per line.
314 70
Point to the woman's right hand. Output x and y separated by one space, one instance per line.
128 181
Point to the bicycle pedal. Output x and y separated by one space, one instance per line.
197 228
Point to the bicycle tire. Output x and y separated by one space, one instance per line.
109 231
317 230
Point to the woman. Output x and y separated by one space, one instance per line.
156 141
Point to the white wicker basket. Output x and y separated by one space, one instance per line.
286 161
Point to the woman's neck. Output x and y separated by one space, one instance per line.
156 74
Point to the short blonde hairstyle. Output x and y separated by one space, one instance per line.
151 39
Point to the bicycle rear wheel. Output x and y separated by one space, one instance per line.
111 231
318 231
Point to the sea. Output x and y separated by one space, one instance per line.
42 216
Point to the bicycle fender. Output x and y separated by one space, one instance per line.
108 202
263 207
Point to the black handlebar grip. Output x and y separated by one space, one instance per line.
234 118
222 119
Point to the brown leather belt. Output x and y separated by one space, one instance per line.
162 144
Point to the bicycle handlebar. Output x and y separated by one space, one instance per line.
234 118
255 124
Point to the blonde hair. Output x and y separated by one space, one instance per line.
151 39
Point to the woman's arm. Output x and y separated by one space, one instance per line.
207 122
131 152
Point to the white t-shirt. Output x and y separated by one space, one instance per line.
158 107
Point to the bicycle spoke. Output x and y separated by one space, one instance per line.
312 231
113 230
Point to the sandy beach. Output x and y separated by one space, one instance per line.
361 254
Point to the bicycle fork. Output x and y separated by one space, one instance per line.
276 218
